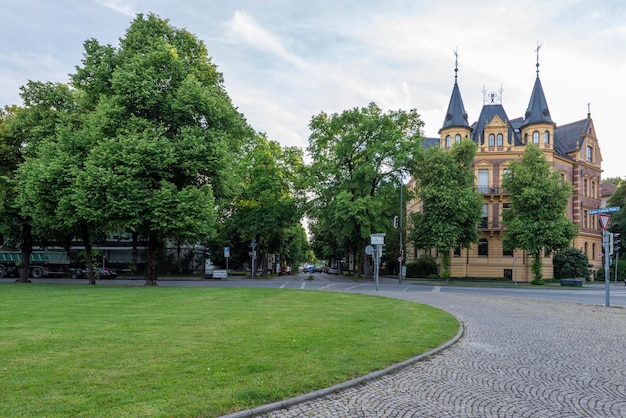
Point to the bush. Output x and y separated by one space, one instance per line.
570 263
423 266
621 270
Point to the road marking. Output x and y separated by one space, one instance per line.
406 288
302 286
436 288
283 285
353 287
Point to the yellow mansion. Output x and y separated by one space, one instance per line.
574 153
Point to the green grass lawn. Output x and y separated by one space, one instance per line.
69 350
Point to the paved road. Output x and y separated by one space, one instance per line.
520 356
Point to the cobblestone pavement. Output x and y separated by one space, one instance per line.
518 358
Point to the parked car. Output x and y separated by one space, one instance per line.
285 270
105 273
332 270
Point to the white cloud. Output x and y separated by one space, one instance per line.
119 6
248 29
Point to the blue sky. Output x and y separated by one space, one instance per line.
286 60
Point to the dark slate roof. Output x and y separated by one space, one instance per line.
537 111
431 142
488 112
567 137
456 115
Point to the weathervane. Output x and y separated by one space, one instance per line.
537 51
456 63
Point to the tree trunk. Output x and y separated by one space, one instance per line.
153 260
366 266
84 231
26 248
133 262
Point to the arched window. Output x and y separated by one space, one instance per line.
483 247
448 141
586 253
499 142
492 140
525 139
546 137
535 137
457 138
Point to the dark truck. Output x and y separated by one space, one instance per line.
42 263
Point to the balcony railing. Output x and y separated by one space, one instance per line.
491 225
490 190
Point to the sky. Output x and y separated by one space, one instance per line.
285 61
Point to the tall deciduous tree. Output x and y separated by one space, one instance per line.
36 123
450 208
618 198
358 157
168 133
537 219
269 207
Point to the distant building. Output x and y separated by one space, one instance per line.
572 149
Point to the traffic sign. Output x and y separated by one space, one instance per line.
604 210
604 220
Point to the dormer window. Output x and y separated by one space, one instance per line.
499 140
492 140
535 137
589 154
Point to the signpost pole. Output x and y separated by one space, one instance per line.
607 259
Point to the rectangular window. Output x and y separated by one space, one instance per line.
593 189
589 154
585 187
457 251
485 216
483 181
585 218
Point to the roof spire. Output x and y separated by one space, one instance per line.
456 64
537 51
456 115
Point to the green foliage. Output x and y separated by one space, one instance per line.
167 135
450 207
569 263
618 219
612 180
621 270
536 219
423 266
357 158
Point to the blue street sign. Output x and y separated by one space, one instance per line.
604 210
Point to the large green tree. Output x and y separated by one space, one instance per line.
537 218
618 219
45 106
168 133
450 208
269 206
358 158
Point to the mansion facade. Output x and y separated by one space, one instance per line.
572 150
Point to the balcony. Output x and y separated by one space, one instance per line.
491 190
486 225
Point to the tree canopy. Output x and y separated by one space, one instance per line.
450 208
358 158
537 218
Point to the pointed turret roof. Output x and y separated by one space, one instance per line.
538 111
456 115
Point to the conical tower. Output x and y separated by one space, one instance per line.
455 126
